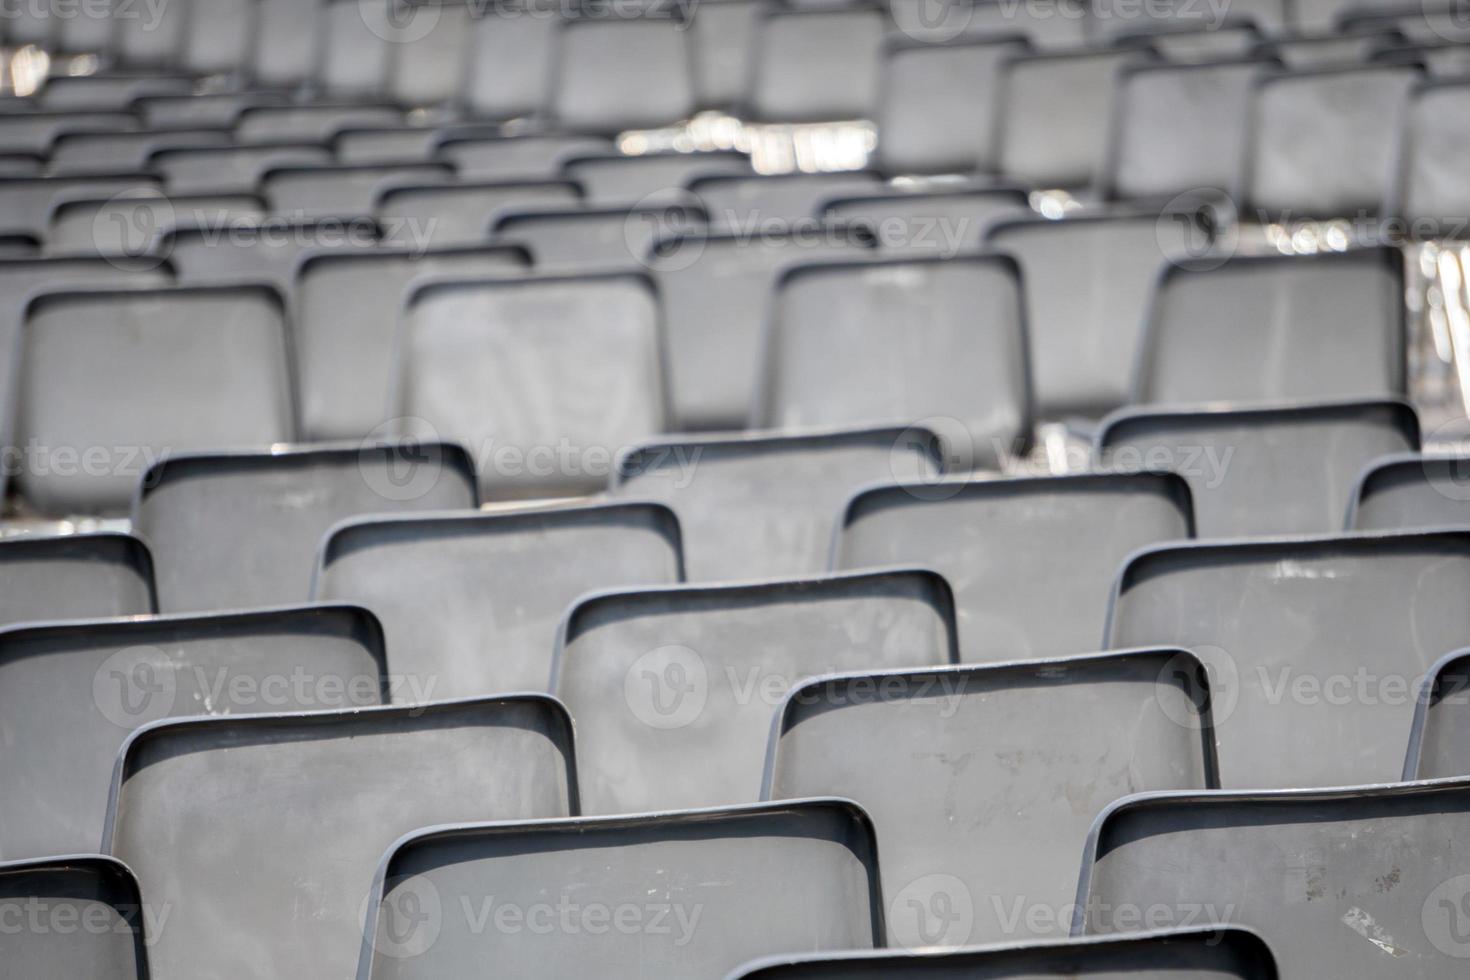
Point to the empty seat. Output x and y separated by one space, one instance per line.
1410 491
387 144
702 671
620 180
1278 328
942 222
1089 280
112 379
265 250
545 379
614 75
231 531
1223 953
1428 192
723 36
461 213
429 48
1053 124
529 157
900 341
85 152
1066 24
1344 883
573 240
231 169
133 223
316 122
347 305
1178 128
287 38
509 74
72 693
940 103
108 91
206 109
1032 560
1044 746
1439 744
34 132
74 577
1339 50
1321 640
352 57
291 855
342 190
1427 23
766 506
1286 470
780 203
816 65
1116 18
1324 144
1448 60
700 892
149 36
471 603
89 889
1187 43
26 203
217 37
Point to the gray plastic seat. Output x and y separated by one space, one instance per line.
264 251
274 823
1089 280
461 213
1053 126
72 692
217 37
620 180
1032 560
1347 49
353 55
940 103
813 65
765 506
1316 643
74 577
26 203
133 223
236 530
703 669
310 123
1428 193
900 341
342 190
533 156
613 75
723 34
942 222
1114 19
1410 491
215 109
429 47
288 36
1188 43
1177 128
1358 882
794 876
107 91
149 36
778 203
85 152
231 169
544 379
113 379
34 132
83 889
347 305
509 61
576 240
1284 470
471 604
1439 744
1426 23
1324 144
1217 953
1278 328
1028 753
395 144
1064 25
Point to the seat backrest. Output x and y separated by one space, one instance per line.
780 203
93 889
261 251
1438 739
86 152
311 122
1410 491
619 180
288 35
217 36
513 56
342 190
616 75
462 213
26 203
33 132
218 109
938 222
132 224
530 157
574 240
107 91
151 36
724 38
1345 50
74 577
1427 192
354 51
1063 25
816 65
231 169
429 49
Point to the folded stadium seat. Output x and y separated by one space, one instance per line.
942 221
1338 50
1223 953
86 888
107 91
619 180
26 202
110 379
703 669
149 36
264 251
346 310
939 103
1315 642
206 109
239 530
74 576
343 190
287 861
34 132
1448 60
231 169
533 156
544 378
461 213
1060 25
288 36
1429 192
390 144
1421 23
765 506
1031 560
1089 279
1354 882
513 48
1053 125
87 152
218 36
898 341
617 75
572 240
1112 20
1410 491
471 604
715 289
1045 747
73 692
777 203
816 65
133 224
723 34
308 123
428 50
1190 44
1278 328
1288 469
1178 129
352 58
698 892
1324 144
